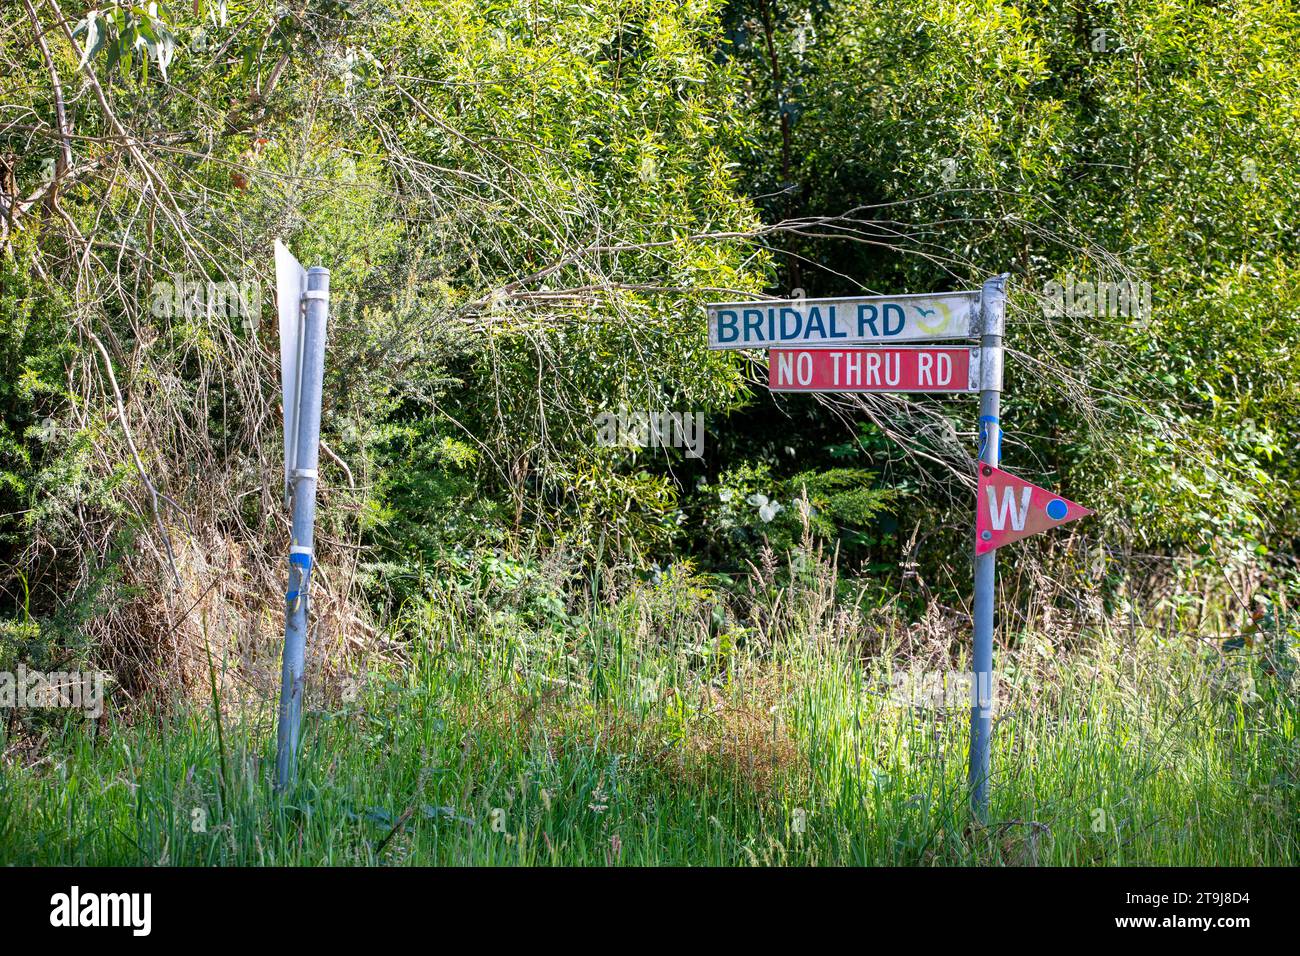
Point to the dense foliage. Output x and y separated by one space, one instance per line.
524 206
1101 141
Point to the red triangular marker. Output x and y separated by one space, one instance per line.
1008 508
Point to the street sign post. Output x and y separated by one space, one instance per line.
846 345
303 304
924 368
993 304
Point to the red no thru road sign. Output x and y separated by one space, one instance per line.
898 369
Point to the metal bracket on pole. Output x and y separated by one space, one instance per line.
992 323
991 370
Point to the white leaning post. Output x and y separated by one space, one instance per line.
992 322
302 477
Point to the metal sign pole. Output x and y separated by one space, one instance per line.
993 317
306 445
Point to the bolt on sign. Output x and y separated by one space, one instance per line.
1009 508
875 369
849 321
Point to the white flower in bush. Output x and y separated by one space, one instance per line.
767 510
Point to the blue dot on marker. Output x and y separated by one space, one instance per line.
1056 509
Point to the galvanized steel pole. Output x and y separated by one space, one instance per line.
992 319
311 371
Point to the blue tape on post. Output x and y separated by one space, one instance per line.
985 421
301 560
291 597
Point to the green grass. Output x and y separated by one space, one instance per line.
631 737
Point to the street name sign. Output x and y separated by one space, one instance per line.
813 323
875 369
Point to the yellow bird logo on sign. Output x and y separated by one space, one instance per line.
934 326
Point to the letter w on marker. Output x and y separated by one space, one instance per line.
998 515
